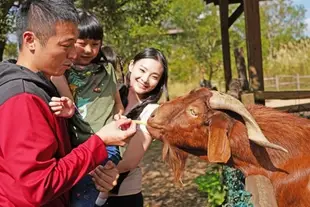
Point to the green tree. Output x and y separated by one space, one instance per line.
6 22
199 39
130 25
10 51
187 31
281 22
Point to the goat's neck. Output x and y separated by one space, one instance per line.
248 168
251 158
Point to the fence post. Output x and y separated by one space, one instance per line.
298 81
247 98
277 83
262 191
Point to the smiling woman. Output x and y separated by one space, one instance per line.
145 74
144 85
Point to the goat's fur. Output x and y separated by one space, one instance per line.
186 125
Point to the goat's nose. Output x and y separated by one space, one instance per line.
153 114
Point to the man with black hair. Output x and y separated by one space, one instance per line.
37 165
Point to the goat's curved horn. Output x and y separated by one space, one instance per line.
224 101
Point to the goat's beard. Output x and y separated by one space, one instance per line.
176 159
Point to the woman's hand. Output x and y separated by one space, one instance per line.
63 107
119 116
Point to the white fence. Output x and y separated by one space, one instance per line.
278 83
287 82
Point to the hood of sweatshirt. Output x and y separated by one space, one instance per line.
10 72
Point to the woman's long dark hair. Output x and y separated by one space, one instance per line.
154 95
110 56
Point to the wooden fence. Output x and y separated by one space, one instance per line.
278 83
287 82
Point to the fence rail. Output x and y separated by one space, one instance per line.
287 82
278 83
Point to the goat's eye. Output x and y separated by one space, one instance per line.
193 112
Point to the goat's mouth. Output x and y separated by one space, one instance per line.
155 130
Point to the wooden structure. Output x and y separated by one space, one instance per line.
250 8
260 186
261 197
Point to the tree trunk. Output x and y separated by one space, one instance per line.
2 45
210 74
241 68
86 5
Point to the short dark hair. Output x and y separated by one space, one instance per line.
40 17
89 26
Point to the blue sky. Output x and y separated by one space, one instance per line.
306 4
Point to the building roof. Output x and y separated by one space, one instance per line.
216 2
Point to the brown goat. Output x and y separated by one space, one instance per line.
189 125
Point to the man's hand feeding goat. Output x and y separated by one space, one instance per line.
256 139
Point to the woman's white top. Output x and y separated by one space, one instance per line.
132 184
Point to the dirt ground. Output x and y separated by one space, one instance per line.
159 189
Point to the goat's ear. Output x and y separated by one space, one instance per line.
218 142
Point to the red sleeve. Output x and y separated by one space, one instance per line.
29 147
